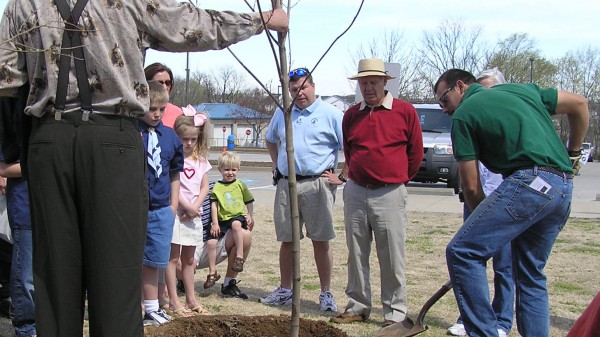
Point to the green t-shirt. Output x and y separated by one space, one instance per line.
508 127
232 197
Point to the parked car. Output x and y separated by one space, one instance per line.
438 161
588 149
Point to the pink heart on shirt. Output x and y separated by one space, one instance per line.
189 172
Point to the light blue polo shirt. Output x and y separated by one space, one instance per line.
317 138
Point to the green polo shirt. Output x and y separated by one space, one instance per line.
508 127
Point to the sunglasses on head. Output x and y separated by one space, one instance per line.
168 83
300 72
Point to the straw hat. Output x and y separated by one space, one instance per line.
371 67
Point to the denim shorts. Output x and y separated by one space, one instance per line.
158 237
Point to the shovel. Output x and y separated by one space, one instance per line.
407 327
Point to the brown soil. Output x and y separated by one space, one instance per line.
241 326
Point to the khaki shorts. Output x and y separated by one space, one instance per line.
201 254
315 207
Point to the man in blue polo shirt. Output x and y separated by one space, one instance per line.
317 128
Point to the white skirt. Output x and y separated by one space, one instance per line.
187 233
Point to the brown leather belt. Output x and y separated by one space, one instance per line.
549 170
374 186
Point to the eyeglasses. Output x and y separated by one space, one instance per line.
300 72
168 83
444 98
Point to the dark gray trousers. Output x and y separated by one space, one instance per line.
89 206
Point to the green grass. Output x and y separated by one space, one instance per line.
565 288
585 224
587 249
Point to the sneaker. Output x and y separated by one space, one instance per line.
277 297
502 333
327 302
158 317
180 287
457 330
232 290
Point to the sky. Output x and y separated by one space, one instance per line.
556 26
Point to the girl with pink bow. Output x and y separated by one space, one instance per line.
193 128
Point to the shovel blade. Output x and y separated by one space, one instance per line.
406 328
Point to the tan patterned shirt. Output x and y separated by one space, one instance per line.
115 35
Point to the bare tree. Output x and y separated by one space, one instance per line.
256 109
392 47
579 72
452 45
519 60
228 84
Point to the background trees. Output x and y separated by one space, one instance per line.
452 44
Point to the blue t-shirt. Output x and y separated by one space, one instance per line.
317 138
171 159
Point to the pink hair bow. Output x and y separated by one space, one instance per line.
199 118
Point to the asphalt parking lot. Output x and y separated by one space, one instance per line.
422 197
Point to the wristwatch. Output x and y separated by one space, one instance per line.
341 177
576 153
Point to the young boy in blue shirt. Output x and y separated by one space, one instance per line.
164 162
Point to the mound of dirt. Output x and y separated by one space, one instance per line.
241 326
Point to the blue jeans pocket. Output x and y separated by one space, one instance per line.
525 202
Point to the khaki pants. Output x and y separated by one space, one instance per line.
378 213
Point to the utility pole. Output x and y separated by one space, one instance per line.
531 69
187 72
187 78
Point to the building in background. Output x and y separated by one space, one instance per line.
246 125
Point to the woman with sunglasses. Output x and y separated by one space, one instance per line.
163 75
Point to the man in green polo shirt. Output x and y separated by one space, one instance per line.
509 129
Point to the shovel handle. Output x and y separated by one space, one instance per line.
438 294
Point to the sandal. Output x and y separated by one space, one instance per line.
200 310
211 279
182 312
238 264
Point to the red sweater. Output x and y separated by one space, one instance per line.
382 145
588 324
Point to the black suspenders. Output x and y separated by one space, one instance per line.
71 43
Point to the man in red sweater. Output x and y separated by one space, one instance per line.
383 148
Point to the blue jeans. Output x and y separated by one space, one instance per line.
504 292
21 283
158 237
21 280
531 220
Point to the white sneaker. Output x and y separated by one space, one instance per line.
502 333
158 317
278 297
327 302
457 330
